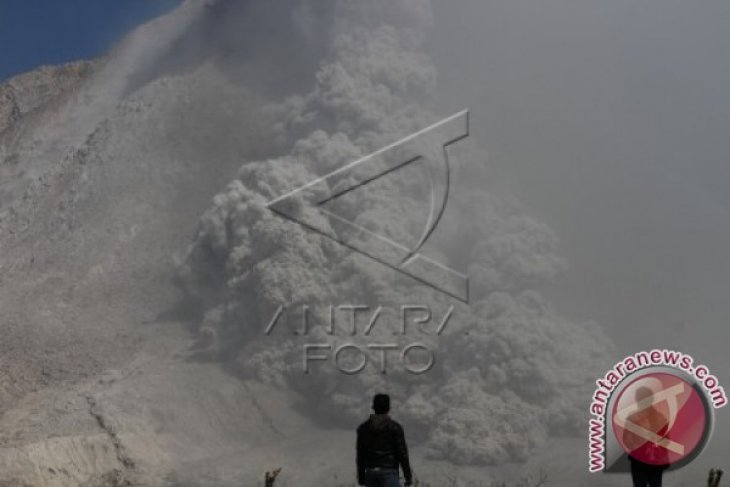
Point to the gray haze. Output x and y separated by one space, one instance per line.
610 120
139 264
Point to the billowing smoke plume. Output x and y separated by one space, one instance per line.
510 369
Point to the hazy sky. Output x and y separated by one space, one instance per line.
37 32
611 121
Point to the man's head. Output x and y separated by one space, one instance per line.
643 393
381 403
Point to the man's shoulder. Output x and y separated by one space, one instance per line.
395 425
390 424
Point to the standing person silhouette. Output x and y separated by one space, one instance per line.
648 471
381 448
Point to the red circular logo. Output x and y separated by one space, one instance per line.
659 419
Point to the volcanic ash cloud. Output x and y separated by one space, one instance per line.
511 370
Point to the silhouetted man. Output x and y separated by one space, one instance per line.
650 419
381 448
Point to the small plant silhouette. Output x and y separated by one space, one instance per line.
713 480
270 477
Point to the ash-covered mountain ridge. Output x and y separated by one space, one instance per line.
25 93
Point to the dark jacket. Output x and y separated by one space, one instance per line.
381 443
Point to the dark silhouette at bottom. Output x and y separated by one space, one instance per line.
382 448
647 474
714 478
